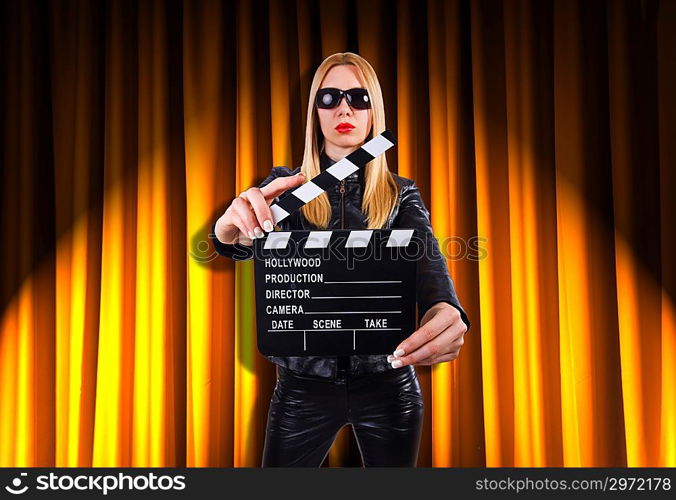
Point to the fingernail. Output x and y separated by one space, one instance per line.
398 352
251 235
390 358
267 225
259 233
396 363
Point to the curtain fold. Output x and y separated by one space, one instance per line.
540 135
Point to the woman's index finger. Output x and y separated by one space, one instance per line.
280 185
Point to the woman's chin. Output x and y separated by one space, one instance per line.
348 141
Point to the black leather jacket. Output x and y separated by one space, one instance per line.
433 283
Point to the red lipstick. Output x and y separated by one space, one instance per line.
344 128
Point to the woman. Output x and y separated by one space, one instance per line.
379 396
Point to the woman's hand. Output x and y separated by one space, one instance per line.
439 338
250 211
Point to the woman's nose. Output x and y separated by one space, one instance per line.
343 107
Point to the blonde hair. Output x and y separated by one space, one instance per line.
381 190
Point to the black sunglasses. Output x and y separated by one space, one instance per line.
330 98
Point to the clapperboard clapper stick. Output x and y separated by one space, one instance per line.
334 292
331 176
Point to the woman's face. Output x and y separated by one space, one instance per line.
339 142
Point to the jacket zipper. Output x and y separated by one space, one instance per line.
342 204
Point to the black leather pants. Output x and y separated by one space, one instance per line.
306 412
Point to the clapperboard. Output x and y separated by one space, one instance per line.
334 292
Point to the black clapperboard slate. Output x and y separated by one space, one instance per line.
316 294
334 292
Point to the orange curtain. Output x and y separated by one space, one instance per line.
540 133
